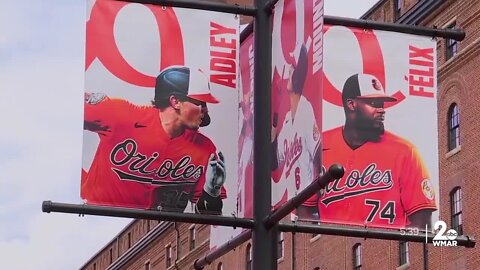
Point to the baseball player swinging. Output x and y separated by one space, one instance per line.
296 147
386 183
154 156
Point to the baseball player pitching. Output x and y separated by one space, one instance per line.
296 147
386 183
154 156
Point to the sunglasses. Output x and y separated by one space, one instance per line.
194 101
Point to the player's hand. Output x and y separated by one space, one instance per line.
215 175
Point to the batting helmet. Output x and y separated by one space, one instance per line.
184 82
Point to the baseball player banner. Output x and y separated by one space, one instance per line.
297 59
161 111
380 123
245 138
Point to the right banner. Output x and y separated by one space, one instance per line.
380 123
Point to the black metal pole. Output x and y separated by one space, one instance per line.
83 209
456 34
465 241
335 171
263 238
269 5
222 250
202 5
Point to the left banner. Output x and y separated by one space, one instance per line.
161 108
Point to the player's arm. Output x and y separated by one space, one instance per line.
102 113
317 161
307 212
96 105
274 136
421 218
210 202
209 205
417 193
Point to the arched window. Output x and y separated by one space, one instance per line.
453 127
403 252
192 237
220 266
248 254
280 245
357 256
456 210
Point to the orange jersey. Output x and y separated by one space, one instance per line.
136 163
384 182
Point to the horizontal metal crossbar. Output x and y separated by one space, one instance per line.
405 235
83 209
202 5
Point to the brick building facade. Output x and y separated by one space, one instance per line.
165 245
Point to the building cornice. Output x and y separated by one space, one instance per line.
416 14
139 246
374 8
111 242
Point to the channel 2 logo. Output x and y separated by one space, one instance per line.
442 238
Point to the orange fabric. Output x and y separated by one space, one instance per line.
388 175
135 157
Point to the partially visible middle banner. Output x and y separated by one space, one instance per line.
297 60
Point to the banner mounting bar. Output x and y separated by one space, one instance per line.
462 240
202 5
455 34
83 209
335 171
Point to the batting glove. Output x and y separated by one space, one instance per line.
215 175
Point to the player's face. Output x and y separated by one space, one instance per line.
370 114
192 112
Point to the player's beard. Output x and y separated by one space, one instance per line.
370 129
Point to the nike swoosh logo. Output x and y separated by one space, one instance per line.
137 125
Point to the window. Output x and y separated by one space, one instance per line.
147 265
220 266
192 237
168 256
398 8
129 236
453 127
451 44
111 255
456 208
248 254
404 253
280 245
357 257
95 266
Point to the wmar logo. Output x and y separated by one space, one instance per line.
443 239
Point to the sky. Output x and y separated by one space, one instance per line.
42 48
